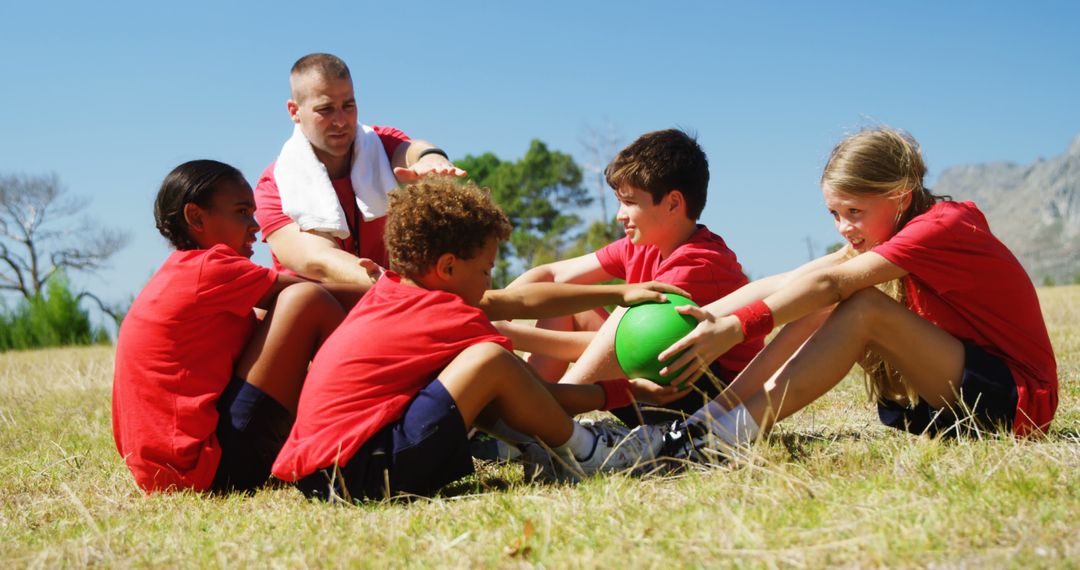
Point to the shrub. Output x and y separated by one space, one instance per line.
51 318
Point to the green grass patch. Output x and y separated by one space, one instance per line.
831 487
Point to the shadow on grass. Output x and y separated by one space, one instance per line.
476 485
801 445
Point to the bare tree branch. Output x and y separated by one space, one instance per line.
16 280
601 144
35 213
114 311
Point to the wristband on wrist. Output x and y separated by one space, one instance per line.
616 393
756 320
432 150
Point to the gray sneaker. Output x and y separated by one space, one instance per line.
609 452
670 447
538 464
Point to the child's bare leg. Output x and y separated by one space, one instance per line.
552 369
487 379
930 359
767 363
598 362
276 359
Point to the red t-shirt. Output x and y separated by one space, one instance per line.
964 280
271 218
703 266
175 355
393 344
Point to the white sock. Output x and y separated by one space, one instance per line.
580 444
509 434
735 427
708 415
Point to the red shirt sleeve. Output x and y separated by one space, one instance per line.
613 257
231 283
391 138
938 248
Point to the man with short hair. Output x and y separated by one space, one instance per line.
321 204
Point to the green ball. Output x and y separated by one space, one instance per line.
645 331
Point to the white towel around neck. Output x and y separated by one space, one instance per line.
308 197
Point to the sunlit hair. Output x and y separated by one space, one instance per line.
436 216
662 161
325 65
193 182
882 161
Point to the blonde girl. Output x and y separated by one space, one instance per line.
964 348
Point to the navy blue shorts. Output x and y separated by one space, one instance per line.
418 454
987 401
251 429
707 388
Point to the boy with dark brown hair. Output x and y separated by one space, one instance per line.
661 181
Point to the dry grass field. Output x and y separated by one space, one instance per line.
830 488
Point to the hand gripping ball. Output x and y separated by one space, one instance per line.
645 331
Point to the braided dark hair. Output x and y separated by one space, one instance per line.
193 182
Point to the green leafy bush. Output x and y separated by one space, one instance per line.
53 318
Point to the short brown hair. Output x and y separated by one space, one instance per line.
325 65
662 161
436 216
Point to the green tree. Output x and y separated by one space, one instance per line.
540 193
51 317
596 235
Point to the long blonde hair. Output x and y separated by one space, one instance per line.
882 161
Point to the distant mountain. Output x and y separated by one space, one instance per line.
1034 209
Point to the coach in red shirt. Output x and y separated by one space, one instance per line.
323 106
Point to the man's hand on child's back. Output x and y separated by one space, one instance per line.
652 291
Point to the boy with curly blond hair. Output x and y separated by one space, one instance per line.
391 396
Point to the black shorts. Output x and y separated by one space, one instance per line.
987 401
251 429
708 386
418 454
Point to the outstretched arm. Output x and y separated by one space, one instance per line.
416 159
805 294
316 256
541 300
766 286
346 294
582 269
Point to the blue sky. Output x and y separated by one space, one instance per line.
113 95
